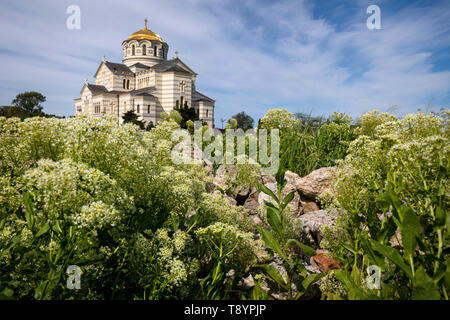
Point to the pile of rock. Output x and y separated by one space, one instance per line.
304 207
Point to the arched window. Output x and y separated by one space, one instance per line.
148 109
181 104
144 50
138 109
128 84
124 82
133 50
207 113
155 50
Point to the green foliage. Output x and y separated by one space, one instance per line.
309 145
187 114
84 191
277 119
243 121
29 101
279 244
131 117
393 189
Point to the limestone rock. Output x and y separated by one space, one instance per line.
312 222
224 175
315 183
252 202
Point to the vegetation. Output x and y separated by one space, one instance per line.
109 199
243 121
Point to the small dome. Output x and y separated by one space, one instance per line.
145 34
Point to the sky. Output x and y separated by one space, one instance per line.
314 57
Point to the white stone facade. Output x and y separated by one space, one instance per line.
146 82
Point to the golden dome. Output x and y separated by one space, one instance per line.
145 34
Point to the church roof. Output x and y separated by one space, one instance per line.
117 67
197 96
96 88
172 65
140 65
143 92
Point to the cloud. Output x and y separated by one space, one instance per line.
251 55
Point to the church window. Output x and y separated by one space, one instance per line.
138 109
178 104
133 50
128 84
144 50
154 50
124 81
181 104
207 113
148 109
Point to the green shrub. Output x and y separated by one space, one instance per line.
396 180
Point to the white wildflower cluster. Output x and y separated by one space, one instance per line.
97 215
215 208
64 187
415 149
238 245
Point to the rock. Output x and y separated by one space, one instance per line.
247 283
231 200
210 187
312 222
268 179
251 203
325 262
308 206
315 183
256 220
224 174
242 196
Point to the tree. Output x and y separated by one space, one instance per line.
30 101
187 113
244 121
132 117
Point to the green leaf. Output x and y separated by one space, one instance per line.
423 287
311 279
43 230
273 275
410 229
392 255
271 241
441 217
273 218
306 249
288 198
269 192
56 227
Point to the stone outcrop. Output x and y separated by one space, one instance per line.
312 223
315 183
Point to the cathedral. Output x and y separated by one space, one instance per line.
146 82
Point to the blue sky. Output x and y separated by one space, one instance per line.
308 56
